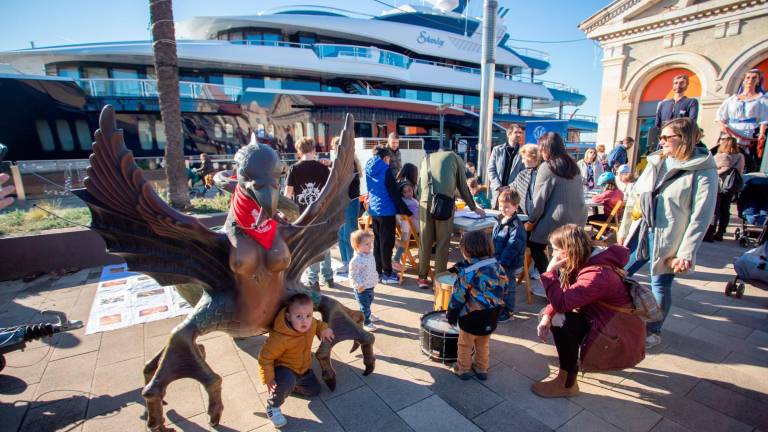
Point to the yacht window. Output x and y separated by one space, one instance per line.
311 130
217 131
126 82
145 135
69 71
65 135
84 135
322 130
437 97
410 94
271 38
160 134
229 130
45 135
458 99
272 83
233 80
96 72
363 129
298 131
235 36
308 40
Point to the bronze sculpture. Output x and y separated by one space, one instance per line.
237 279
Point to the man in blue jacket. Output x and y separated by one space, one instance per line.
384 203
619 155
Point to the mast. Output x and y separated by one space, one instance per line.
487 73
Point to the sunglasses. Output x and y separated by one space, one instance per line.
668 137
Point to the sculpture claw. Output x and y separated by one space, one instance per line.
355 345
330 380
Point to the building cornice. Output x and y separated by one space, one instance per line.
597 28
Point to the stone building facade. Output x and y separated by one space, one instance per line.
646 42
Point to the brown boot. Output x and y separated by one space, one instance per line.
555 387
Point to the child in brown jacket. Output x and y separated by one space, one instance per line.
285 359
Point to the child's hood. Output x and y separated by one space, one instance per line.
281 324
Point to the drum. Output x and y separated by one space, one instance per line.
439 340
443 290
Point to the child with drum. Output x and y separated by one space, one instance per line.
476 303
363 275
509 238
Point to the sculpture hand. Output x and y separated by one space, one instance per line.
327 335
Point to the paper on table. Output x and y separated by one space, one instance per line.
469 214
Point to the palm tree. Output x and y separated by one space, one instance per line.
166 68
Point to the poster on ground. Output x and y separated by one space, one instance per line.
125 298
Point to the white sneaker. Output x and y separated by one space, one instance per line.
374 318
534 273
370 327
652 340
276 416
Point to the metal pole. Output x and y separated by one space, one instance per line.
487 72
442 121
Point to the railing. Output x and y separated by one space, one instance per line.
541 55
266 42
147 88
366 54
557 86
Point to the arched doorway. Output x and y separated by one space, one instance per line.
658 89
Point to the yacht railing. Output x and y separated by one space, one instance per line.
147 88
541 55
557 86
365 54
265 42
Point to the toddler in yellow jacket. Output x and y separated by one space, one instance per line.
285 359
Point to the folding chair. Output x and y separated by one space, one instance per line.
412 241
525 275
611 223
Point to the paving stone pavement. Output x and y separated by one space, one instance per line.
709 373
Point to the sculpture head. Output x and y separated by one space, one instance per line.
258 174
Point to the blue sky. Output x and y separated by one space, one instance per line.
80 21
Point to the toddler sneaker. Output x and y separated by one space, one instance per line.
423 283
276 417
482 376
329 283
374 318
370 327
464 376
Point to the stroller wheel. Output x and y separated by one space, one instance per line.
737 233
728 289
740 290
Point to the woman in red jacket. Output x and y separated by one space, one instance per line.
585 292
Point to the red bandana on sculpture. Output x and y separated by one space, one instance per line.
246 212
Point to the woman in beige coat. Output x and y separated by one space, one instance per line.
676 196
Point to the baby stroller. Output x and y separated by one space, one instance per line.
752 267
753 210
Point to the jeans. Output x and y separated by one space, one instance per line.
346 230
398 254
662 290
383 243
324 266
661 285
288 382
509 291
568 339
364 301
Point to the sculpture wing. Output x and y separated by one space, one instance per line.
140 227
316 230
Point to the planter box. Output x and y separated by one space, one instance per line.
63 248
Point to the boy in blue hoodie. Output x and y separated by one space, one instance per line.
384 203
509 240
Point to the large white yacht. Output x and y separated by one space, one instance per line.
283 74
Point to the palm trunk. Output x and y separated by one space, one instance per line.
166 67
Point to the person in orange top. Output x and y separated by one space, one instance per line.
609 197
285 359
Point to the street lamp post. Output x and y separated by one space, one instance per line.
487 72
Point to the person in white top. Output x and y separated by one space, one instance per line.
745 116
363 275
590 168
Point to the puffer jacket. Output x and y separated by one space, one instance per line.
384 197
509 243
591 288
477 295
287 347
684 208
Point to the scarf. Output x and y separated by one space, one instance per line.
246 212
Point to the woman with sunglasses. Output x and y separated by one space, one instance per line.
675 199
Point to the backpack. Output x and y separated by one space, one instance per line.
731 182
644 302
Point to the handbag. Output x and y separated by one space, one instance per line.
440 205
731 182
647 203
